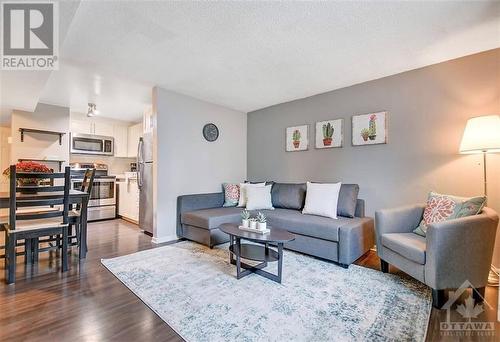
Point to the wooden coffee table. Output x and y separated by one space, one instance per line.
264 253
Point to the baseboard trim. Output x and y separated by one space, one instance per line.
163 239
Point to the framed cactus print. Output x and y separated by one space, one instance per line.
297 138
330 133
369 129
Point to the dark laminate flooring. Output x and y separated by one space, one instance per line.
89 304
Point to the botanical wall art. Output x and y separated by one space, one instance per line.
297 138
369 129
330 133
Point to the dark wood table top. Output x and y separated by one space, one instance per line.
275 235
75 196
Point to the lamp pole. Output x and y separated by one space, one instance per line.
485 178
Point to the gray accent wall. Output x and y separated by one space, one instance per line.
427 112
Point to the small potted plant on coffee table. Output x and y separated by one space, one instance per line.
261 221
245 218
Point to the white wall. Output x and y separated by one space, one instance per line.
41 146
185 162
4 156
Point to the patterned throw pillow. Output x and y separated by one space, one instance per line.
231 194
441 208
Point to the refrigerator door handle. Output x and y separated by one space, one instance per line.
140 162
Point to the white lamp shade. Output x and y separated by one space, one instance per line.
482 134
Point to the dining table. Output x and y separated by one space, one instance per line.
75 197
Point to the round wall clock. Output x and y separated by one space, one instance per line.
210 132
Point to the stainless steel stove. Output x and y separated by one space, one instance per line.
102 203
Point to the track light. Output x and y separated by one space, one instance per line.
92 110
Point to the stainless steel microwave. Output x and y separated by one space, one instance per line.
92 144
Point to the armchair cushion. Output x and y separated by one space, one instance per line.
441 208
409 245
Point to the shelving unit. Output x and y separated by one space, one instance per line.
60 162
39 131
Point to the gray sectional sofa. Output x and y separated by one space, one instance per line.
341 240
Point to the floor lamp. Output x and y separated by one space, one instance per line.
482 135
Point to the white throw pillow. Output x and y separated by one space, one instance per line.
322 199
242 202
259 198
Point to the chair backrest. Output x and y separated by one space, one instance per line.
43 195
88 181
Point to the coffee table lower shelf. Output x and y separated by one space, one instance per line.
255 252
237 250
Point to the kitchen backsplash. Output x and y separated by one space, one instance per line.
116 165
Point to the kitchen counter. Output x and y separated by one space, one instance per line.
126 176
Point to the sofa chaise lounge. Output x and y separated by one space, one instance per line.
342 240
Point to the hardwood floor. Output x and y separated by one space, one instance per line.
438 316
89 304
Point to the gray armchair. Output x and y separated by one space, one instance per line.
452 252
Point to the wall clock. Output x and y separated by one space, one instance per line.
210 132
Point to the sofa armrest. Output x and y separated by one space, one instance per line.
460 249
187 203
355 239
397 220
360 208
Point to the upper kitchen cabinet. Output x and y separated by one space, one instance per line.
92 127
120 133
134 133
103 128
126 135
81 126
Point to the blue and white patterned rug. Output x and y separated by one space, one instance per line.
194 290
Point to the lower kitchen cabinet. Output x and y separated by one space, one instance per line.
128 199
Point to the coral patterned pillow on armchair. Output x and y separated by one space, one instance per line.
441 208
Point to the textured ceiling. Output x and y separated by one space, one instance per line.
249 55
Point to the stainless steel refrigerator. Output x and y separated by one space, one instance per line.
145 165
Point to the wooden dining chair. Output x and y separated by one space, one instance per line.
33 225
75 215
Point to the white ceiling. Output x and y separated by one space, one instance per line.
250 55
75 85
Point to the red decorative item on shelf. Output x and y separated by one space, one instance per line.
28 166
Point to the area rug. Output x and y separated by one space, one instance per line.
194 290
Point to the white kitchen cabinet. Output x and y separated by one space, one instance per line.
102 128
148 123
120 133
134 133
126 137
128 199
82 126
91 127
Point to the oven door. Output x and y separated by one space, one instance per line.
103 191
